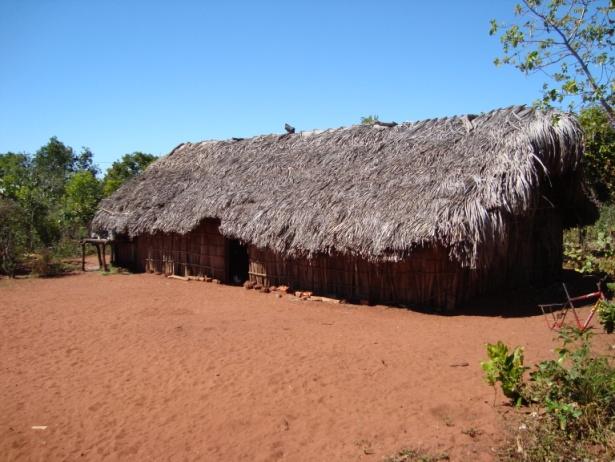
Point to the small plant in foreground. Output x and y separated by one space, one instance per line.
505 368
574 398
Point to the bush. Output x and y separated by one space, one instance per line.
505 368
45 265
592 249
68 248
575 400
606 315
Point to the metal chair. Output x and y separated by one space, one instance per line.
555 318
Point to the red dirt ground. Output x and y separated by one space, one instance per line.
140 367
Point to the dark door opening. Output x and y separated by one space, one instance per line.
238 262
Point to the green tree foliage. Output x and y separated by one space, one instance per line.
599 152
55 191
12 236
52 165
48 199
570 41
13 174
18 183
84 161
124 169
83 192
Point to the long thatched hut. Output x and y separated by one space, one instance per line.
431 213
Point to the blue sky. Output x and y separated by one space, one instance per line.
147 75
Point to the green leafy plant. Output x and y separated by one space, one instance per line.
505 368
606 315
579 259
599 152
604 244
591 250
564 412
575 400
369 120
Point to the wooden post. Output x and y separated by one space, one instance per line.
100 263
83 256
104 259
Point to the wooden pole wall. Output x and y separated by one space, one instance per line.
530 255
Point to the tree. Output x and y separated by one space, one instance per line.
38 185
45 197
12 237
39 227
83 192
122 170
571 42
52 164
85 162
18 186
599 161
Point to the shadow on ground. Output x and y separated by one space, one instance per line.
524 303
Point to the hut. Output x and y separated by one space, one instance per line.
431 213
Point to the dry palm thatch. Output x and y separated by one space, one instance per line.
366 190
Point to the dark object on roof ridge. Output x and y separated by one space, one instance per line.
176 148
385 124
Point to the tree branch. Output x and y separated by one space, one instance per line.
590 78
578 24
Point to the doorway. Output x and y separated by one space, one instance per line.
239 262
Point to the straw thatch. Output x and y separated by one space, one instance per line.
371 191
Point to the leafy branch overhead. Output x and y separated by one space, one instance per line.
571 42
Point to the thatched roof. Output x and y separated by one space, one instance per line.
367 190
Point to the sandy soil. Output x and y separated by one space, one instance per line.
140 367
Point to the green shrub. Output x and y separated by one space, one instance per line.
592 249
505 368
67 248
606 315
575 397
45 265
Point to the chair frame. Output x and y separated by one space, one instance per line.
555 318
